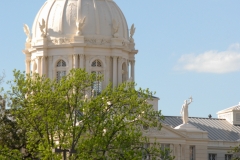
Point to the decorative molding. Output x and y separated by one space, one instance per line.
94 41
59 41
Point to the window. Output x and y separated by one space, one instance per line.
61 63
97 70
96 63
60 74
212 156
61 70
228 156
192 152
97 85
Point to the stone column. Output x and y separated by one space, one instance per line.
133 70
87 64
39 65
182 152
50 67
70 65
75 61
42 65
107 71
177 151
119 70
33 66
172 149
115 71
81 61
27 63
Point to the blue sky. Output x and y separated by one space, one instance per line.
186 48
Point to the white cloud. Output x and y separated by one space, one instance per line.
212 61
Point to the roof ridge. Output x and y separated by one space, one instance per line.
198 117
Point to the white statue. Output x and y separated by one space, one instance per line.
184 111
115 26
43 27
79 25
132 31
28 33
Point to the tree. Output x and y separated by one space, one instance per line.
235 152
2 77
67 115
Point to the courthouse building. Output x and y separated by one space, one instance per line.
94 34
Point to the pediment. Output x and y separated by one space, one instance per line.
165 132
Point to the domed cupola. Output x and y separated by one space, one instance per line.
90 34
98 17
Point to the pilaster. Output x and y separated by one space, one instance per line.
115 82
39 65
27 64
43 65
119 70
33 66
133 70
81 61
75 61
50 67
70 65
107 68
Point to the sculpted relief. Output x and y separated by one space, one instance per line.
63 40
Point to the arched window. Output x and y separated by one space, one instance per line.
61 70
97 70
61 63
96 63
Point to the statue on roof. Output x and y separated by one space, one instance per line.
27 32
132 32
79 25
115 26
184 111
43 28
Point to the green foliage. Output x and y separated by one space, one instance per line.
49 114
2 77
236 153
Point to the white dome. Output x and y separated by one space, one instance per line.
60 17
